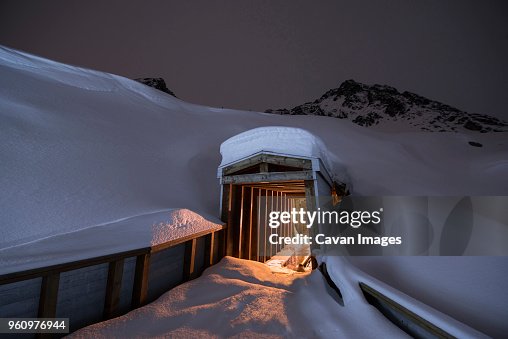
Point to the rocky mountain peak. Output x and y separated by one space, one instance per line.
384 107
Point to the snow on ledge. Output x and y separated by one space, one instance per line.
117 236
289 141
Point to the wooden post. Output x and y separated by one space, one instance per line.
253 224
246 223
263 167
266 244
209 250
140 288
49 295
113 288
189 260
241 223
231 230
310 200
221 246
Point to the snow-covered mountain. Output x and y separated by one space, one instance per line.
386 108
85 153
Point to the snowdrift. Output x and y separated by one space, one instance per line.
81 150
239 298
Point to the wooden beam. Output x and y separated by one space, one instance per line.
268 177
221 246
407 320
49 295
140 288
68 266
246 223
263 167
113 287
189 260
305 164
178 241
310 195
252 215
209 250
310 200
241 223
230 231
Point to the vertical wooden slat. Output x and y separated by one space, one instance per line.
230 231
258 223
310 200
49 295
241 223
113 287
272 206
284 208
209 249
253 224
246 223
140 288
266 249
189 260
263 167
221 245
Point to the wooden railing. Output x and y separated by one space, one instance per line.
48 298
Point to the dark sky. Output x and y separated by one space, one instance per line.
273 54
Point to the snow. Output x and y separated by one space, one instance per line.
117 236
240 298
346 276
84 154
274 139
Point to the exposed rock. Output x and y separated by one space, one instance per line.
475 144
381 105
157 83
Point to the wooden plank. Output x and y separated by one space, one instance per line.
68 266
263 167
171 243
189 260
113 287
49 295
240 239
270 159
407 320
140 288
253 229
221 246
230 231
268 177
74 265
209 250
310 195
310 200
246 224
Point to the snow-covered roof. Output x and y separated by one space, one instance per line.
287 141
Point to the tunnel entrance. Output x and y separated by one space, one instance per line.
271 169
265 183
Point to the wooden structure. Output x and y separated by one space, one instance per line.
50 287
266 181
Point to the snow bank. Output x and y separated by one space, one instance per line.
239 298
290 141
347 278
120 235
